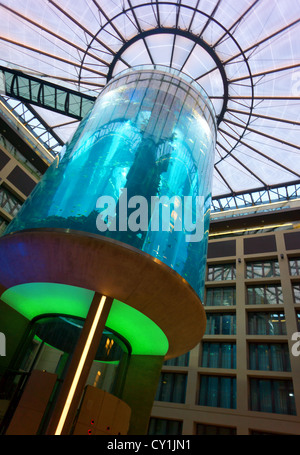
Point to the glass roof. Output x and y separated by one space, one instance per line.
245 54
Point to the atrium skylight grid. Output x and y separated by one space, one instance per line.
245 55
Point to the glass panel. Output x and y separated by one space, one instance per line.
265 395
296 291
269 356
212 390
182 360
280 359
221 323
23 85
172 387
164 427
227 393
205 355
294 266
263 357
228 355
214 353
266 324
3 224
298 320
229 296
259 295
223 296
262 269
221 272
217 391
218 355
217 296
9 202
275 396
203 429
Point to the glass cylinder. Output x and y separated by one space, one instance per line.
138 170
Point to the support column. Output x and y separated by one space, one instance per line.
82 359
139 390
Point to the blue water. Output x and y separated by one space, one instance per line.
151 136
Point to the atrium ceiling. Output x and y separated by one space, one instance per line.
245 54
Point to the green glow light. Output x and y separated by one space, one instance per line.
35 299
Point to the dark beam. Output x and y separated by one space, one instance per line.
140 31
258 43
210 17
266 117
47 54
109 21
264 73
268 136
259 153
79 25
240 163
239 19
50 32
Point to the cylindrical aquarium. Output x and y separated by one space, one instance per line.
138 170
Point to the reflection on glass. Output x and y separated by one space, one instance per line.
268 294
53 342
221 324
224 296
266 323
262 269
294 266
221 272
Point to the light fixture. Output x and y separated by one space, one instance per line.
80 367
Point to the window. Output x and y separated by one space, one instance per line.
270 395
268 294
181 361
3 224
202 429
171 387
164 426
221 272
262 269
296 292
9 202
218 355
220 324
217 391
263 323
269 356
298 320
294 266
262 432
223 296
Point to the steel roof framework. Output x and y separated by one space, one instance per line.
257 94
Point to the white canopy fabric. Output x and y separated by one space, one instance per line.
245 54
